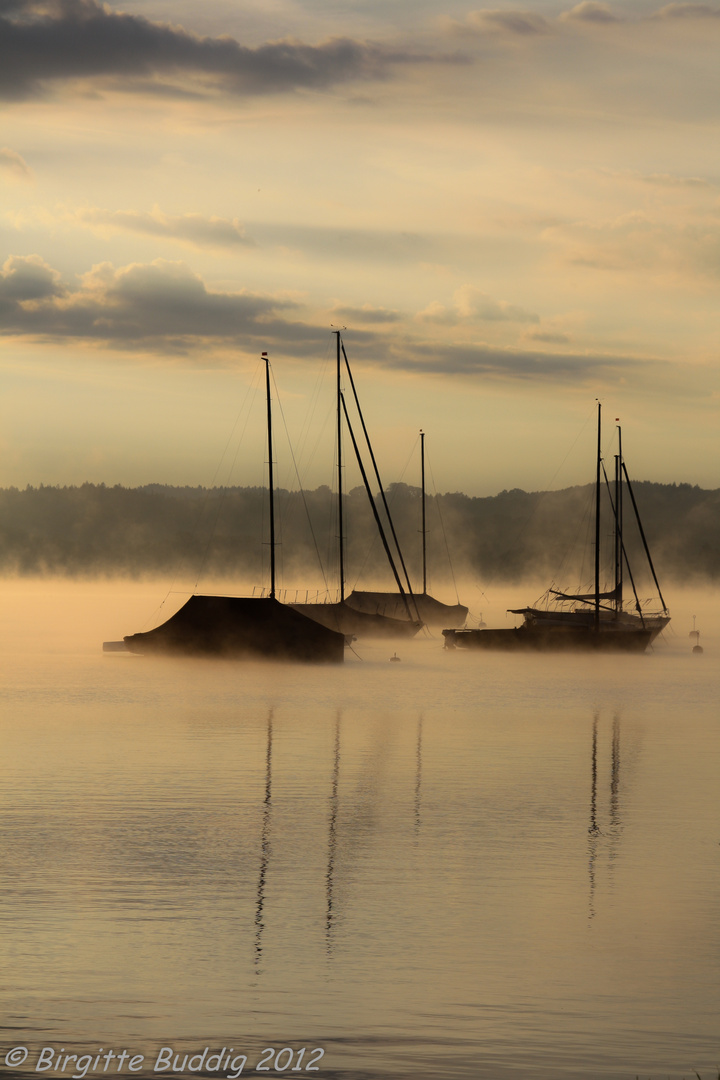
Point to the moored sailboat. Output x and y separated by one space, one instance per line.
431 611
244 627
595 620
342 615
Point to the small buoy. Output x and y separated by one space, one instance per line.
697 649
394 659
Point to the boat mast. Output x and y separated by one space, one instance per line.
381 490
270 477
422 485
597 523
618 525
341 547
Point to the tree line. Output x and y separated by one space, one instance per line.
93 529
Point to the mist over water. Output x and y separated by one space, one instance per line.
461 865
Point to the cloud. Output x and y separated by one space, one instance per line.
513 364
652 245
164 308
188 228
48 41
547 337
670 180
11 162
687 11
495 21
590 11
162 304
473 305
25 279
365 314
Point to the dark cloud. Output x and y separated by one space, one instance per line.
26 278
509 364
162 304
190 228
45 41
165 308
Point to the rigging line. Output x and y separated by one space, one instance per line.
591 415
377 477
204 502
254 386
308 425
411 455
622 545
583 520
297 475
391 502
548 486
394 494
374 507
442 529
642 535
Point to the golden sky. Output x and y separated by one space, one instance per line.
513 211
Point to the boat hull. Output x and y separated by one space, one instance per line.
432 612
241 627
575 639
611 622
361 624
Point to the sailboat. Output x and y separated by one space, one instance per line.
432 612
595 620
240 626
342 616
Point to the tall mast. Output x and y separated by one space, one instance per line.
618 525
597 522
341 547
422 485
381 492
270 476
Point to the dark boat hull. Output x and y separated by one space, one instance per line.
353 623
432 612
241 627
549 640
611 622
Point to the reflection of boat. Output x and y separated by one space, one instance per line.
431 611
595 620
237 626
344 616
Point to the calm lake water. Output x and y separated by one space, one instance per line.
479 866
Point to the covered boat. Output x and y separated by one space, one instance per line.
428 610
241 626
343 615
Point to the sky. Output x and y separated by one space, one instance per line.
511 211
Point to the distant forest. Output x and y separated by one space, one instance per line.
223 533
